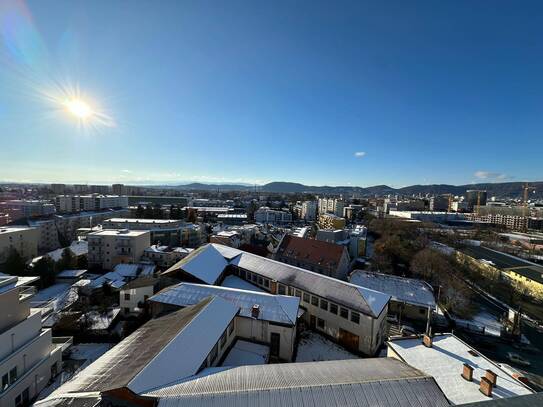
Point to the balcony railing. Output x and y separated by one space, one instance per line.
26 292
63 342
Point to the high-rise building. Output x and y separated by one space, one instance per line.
309 210
58 189
331 205
108 248
22 239
476 197
80 203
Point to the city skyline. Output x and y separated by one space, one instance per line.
360 94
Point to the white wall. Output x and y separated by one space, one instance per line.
258 330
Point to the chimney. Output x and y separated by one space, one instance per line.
467 372
492 377
486 387
255 311
427 341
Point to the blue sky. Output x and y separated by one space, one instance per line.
257 91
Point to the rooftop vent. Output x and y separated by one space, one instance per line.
255 311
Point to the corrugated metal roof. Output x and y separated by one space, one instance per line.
358 382
121 365
205 263
277 308
366 301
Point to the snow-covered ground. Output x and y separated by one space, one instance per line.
314 347
247 353
101 321
236 282
484 319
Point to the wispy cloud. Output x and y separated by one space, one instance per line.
360 154
488 175
126 171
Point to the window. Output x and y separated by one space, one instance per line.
5 382
320 323
213 354
126 310
231 328
266 283
344 313
315 301
355 317
260 281
19 401
282 289
298 293
127 297
290 291
324 304
254 277
306 297
13 375
333 308
223 339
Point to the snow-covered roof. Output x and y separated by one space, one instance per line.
444 361
134 270
277 308
71 273
245 353
233 281
205 263
357 382
409 290
78 248
360 299
162 351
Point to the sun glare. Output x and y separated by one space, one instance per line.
79 108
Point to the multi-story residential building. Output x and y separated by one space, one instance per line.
58 189
20 208
192 235
108 248
29 358
439 203
118 189
94 202
322 257
59 230
164 256
22 239
352 315
230 238
309 211
475 197
512 222
331 221
331 205
163 231
354 239
272 216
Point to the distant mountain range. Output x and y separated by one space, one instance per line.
502 189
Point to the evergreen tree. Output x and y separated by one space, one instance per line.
140 212
67 260
45 269
15 264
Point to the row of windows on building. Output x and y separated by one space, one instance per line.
304 296
228 332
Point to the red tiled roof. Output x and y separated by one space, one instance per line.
311 251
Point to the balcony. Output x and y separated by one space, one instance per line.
63 342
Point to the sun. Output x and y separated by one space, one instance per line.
79 108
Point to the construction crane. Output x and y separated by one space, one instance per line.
526 189
478 203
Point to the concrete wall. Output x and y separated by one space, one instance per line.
260 331
137 295
24 240
13 311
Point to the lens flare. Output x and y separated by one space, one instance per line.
79 108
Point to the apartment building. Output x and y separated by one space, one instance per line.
169 232
22 208
352 315
57 228
331 221
108 248
321 257
272 216
511 222
23 239
94 202
331 205
29 355
309 211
